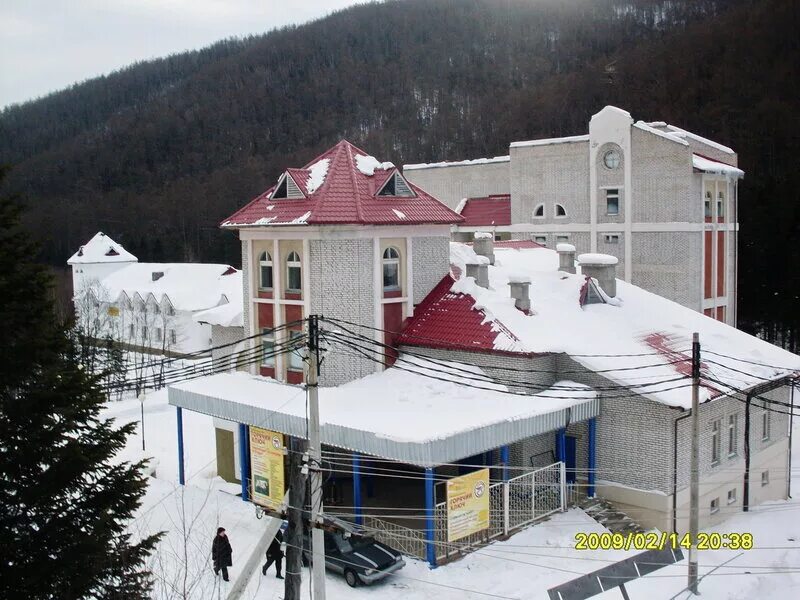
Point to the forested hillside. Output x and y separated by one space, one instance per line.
158 153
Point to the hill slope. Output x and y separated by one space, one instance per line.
158 153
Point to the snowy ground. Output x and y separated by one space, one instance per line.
522 567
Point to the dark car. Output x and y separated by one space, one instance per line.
360 558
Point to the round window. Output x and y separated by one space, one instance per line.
611 159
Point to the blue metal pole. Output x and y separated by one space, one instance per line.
244 461
504 461
592 455
357 489
561 444
430 506
181 472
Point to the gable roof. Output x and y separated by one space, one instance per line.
101 249
491 210
340 187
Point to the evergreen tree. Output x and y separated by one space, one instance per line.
64 502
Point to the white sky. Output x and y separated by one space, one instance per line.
46 45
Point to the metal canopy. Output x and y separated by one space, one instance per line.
429 453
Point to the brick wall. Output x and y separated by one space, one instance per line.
669 264
225 358
451 184
430 262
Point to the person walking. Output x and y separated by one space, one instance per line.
275 555
221 553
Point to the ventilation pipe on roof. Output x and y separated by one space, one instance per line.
520 291
156 275
479 270
603 268
566 257
483 245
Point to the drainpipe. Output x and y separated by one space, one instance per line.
746 491
791 420
675 470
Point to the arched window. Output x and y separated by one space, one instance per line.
294 273
265 271
391 269
538 212
560 210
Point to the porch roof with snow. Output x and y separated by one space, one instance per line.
398 414
342 186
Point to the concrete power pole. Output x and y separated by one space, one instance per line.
315 456
694 482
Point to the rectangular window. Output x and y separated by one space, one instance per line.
158 333
721 205
732 496
714 506
715 427
294 282
733 427
612 202
130 331
765 426
267 348
707 206
266 277
391 275
764 478
296 356
612 238
173 337
540 239
144 332
562 239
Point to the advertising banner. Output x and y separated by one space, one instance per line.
467 504
266 467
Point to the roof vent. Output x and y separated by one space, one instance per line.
483 245
603 268
479 270
112 252
520 291
287 188
80 251
566 257
156 275
229 271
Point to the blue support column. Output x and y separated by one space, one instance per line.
592 455
244 460
430 507
504 461
181 471
357 489
561 445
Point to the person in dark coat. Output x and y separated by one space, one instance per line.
221 553
274 555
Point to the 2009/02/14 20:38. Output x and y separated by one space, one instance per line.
659 540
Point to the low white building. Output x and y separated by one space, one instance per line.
148 305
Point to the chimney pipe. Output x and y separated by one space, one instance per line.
566 257
479 270
520 291
483 245
603 268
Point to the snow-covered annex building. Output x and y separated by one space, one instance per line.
446 356
159 307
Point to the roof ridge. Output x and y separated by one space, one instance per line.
352 167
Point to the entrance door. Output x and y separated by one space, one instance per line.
569 459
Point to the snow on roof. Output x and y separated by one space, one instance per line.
708 165
458 163
101 249
669 136
564 247
638 323
225 315
597 259
683 133
341 187
187 286
571 139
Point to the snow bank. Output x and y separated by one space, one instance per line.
317 173
460 163
565 247
369 164
482 235
597 259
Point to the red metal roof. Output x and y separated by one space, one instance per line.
491 210
347 195
447 320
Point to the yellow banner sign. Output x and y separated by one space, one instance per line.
266 467
113 311
467 504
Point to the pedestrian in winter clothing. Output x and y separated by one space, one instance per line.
221 553
274 555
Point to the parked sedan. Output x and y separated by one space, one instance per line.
361 559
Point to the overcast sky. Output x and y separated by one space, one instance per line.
46 45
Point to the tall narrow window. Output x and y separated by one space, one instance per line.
391 270
765 425
296 355
721 205
715 442
612 202
733 427
265 271
707 206
294 273
267 348
173 337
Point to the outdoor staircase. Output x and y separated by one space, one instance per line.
616 521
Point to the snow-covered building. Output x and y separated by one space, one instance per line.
661 199
148 305
443 356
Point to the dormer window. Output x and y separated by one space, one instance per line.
294 278
391 270
265 271
396 186
287 188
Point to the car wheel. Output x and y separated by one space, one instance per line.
351 578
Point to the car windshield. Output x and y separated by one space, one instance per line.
343 544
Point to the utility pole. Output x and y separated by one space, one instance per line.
694 482
315 468
294 533
141 402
